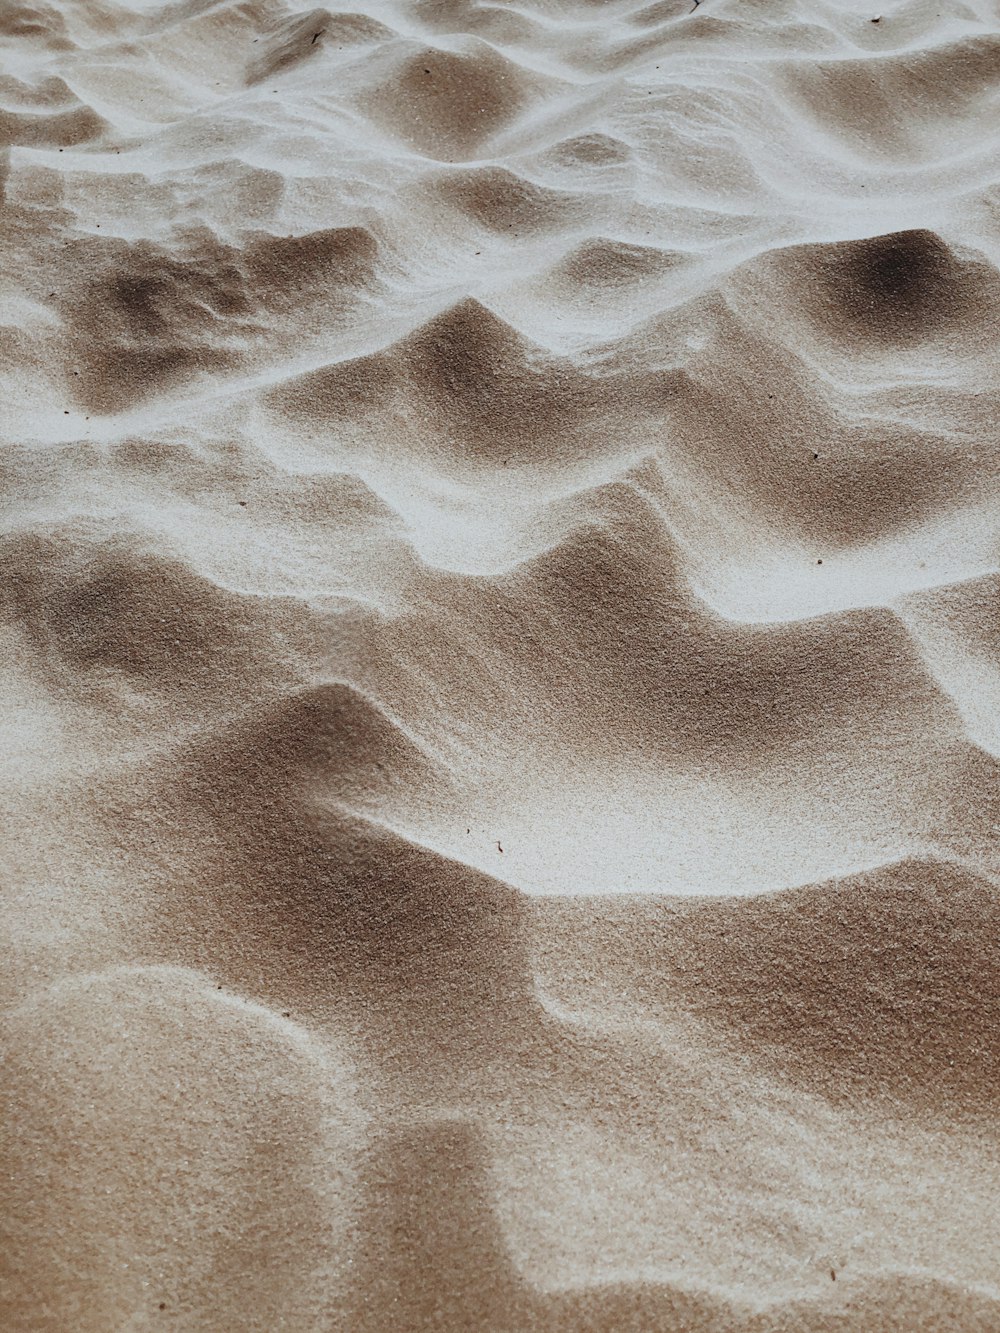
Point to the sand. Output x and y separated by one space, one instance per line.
501 666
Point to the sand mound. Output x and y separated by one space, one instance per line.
132 1074
890 996
498 589
450 104
882 293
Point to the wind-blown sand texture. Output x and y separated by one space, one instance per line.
501 666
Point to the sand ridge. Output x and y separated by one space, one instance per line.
500 548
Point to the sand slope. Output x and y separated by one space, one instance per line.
500 550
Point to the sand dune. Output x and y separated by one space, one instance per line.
500 556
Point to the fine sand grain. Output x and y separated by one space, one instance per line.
500 606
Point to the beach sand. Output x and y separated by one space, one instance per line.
500 600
